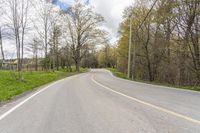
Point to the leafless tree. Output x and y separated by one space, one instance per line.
1 46
54 44
17 20
42 23
1 43
24 21
55 38
35 47
82 28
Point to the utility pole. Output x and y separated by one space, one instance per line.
130 47
130 42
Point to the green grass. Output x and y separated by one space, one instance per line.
10 87
117 73
73 69
124 76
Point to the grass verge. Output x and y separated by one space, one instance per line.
10 87
124 76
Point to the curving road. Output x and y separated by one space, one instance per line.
97 102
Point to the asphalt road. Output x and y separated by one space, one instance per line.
97 102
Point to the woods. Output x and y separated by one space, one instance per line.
53 37
158 40
166 44
99 66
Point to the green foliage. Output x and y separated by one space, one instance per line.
163 46
117 73
73 69
107 56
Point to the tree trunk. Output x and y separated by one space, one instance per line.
151 76
1 46
36 63
57 62
168 77
17 40
22 48
77 63
53 57
46 47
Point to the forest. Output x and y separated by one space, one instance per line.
165 41
158 40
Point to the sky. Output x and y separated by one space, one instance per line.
111 10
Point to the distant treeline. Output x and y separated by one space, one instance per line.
165 47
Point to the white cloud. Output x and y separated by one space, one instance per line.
34 18
111 10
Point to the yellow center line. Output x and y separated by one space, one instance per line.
148 104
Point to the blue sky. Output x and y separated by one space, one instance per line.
65 5
111 10
62 5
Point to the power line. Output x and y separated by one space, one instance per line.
148 13
130 39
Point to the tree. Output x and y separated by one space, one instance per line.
1 45
167 42
107 56
42 24
142 35
1 42
54 42
82 27
66 58
17 15
55 37
90 59
24 20
122 47
188 28
35 46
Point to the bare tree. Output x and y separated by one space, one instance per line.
1 43
82 28
17 16
35 46
65 57
24 20
55 38
54 43
42 23
1 46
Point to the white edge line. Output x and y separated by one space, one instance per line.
153 85
149 104
30 97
